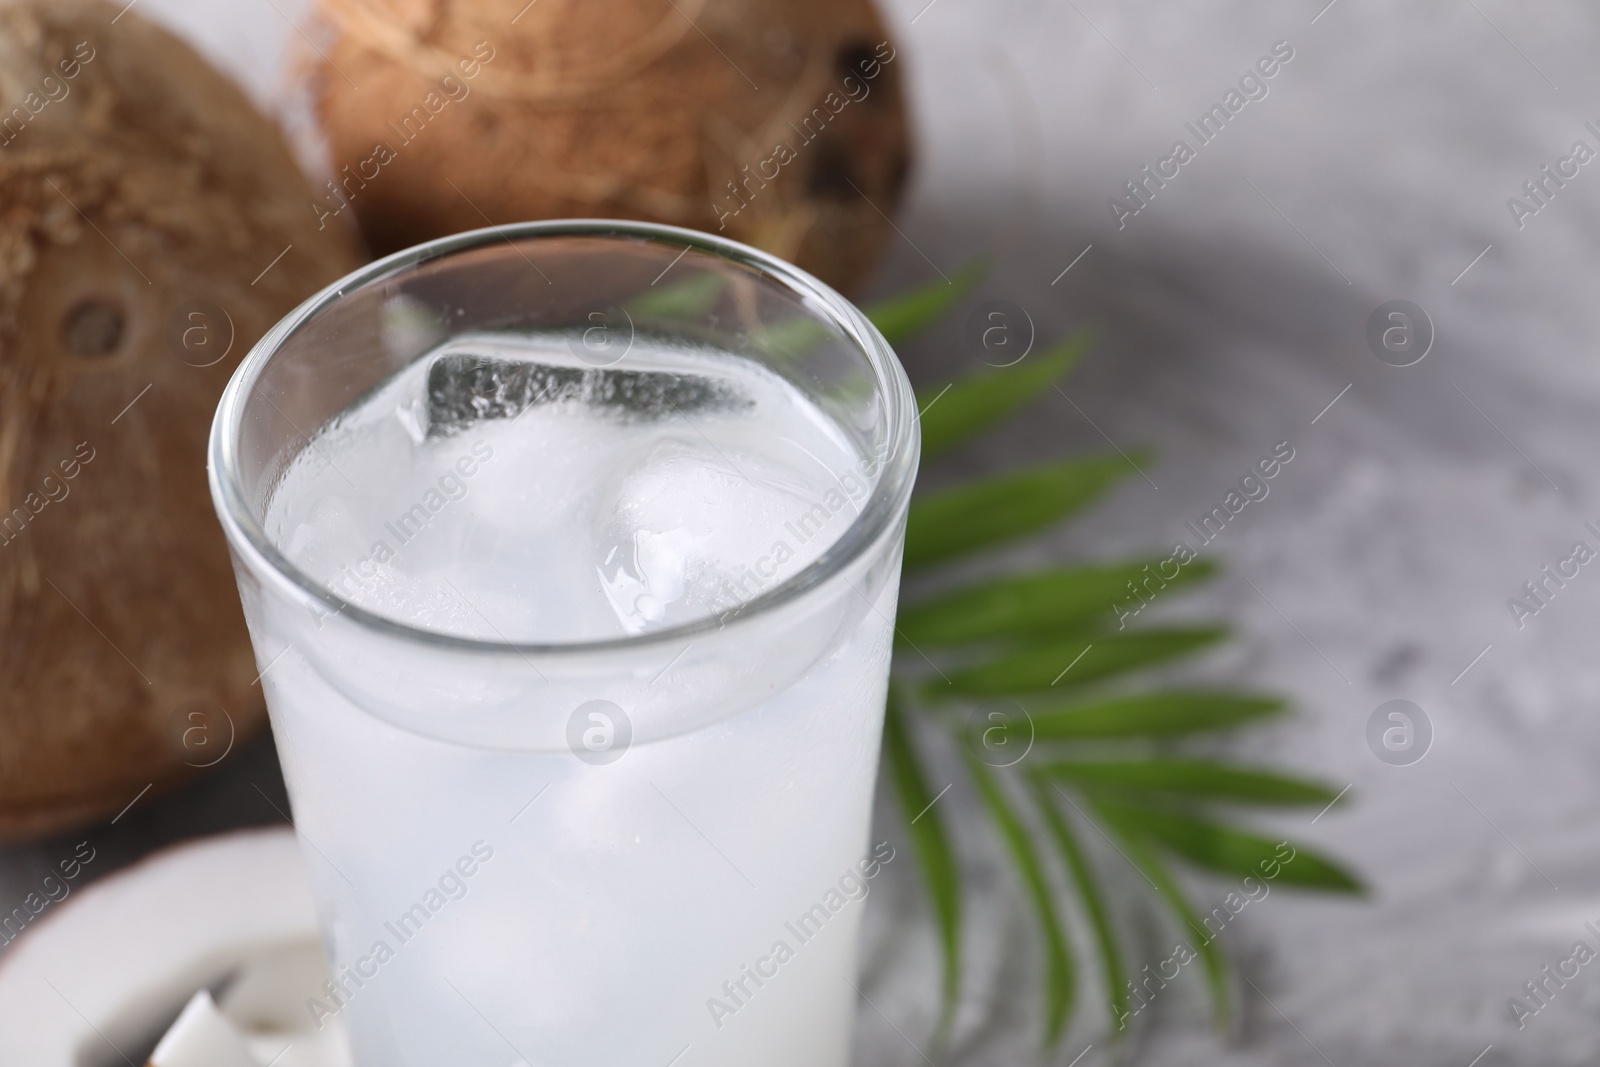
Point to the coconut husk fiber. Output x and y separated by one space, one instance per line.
153 225
780 123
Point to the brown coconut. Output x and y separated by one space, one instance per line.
781 123
144 205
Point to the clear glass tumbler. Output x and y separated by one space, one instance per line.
646 844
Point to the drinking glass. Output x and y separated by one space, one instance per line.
646 847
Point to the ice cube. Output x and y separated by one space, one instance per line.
464 388
691 529
653 576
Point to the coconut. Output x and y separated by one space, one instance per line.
101 975
154 225
781 123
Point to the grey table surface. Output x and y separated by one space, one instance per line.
1233 311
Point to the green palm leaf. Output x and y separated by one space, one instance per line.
1090 895
1203 779
1060 977
1236 853
1064 663
930 844
966 407
978 514
1162 713
1147 863
1036 601
897 318
690 298
1043 637
900 317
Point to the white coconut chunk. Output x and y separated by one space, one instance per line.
202 1037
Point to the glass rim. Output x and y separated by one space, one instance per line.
247 538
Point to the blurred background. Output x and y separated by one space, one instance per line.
1234 312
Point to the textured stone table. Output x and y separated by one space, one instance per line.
1233 308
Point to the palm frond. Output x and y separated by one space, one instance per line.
901 317
1201 940
1226 850
982 513
1066 663
1090 895
1159 713
1192 779
1061 980
688 299
967 407
1033 602
930 842
1046 641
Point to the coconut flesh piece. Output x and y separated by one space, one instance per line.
203 1037
261 1019
99 978
207 1035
